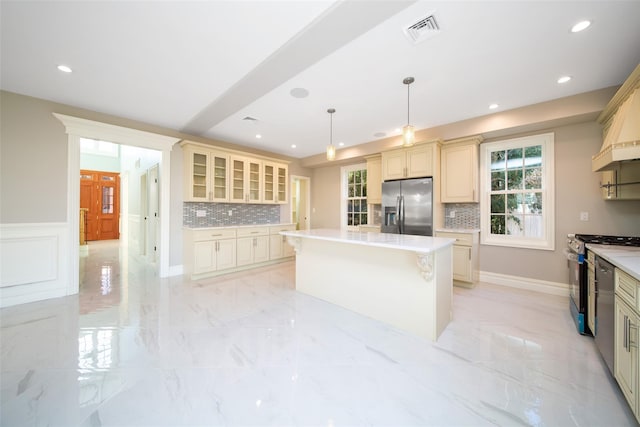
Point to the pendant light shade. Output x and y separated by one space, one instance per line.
331 149
408 132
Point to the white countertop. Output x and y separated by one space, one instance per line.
237 226
625 258
422 244
458 230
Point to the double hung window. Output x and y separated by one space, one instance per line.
517 208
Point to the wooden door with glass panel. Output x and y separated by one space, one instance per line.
100 195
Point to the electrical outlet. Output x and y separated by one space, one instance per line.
584 216
230 213
452 214
201 213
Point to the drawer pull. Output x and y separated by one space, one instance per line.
216 235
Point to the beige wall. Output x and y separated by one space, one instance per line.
325 197
33 158
576 191
33 163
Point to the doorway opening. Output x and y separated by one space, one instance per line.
301 202
119 204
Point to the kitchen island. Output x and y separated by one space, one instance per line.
402 280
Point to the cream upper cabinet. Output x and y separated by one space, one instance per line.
215 174
207 175
413 162
246 180
374 179
459 171
274 183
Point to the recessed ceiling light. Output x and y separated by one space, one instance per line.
64 68
258 136
564 79
582 25
493 106
341 144
397 130
293 145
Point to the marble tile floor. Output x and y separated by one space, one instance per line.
247 350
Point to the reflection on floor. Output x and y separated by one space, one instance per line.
246 349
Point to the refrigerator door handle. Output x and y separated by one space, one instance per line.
398 215
401 213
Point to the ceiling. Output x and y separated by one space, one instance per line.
202 67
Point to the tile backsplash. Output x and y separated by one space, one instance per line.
467 215
217 214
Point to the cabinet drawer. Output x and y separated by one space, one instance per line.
213 234
277 229
627 287
253 231
462 239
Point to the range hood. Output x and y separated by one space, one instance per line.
621 119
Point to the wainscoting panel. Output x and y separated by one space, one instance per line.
34 262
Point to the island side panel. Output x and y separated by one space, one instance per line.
444 292
381 283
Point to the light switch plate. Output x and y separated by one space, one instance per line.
584 216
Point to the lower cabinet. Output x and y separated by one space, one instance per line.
209 250
626 351
214 255
252 245
465 255
214 251
627 336
278 246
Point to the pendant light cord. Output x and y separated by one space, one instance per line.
408 103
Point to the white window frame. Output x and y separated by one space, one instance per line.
344 191
547 241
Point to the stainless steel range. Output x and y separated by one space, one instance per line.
576 253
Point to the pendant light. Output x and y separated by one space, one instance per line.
408 132
331 149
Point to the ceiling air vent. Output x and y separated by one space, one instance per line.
423 29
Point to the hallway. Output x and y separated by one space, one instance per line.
246 349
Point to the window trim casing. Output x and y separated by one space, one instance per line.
344 170
547 242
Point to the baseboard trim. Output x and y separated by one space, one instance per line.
553 288
176 270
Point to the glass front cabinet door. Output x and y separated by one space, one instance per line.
207 174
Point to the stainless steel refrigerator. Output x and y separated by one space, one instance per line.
407 206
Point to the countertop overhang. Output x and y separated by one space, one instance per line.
419 244
625 258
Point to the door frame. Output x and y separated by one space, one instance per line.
76 128
307 196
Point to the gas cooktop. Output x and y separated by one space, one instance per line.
609 240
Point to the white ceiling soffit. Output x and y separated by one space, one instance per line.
337 26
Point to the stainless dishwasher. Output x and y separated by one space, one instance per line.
605 310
